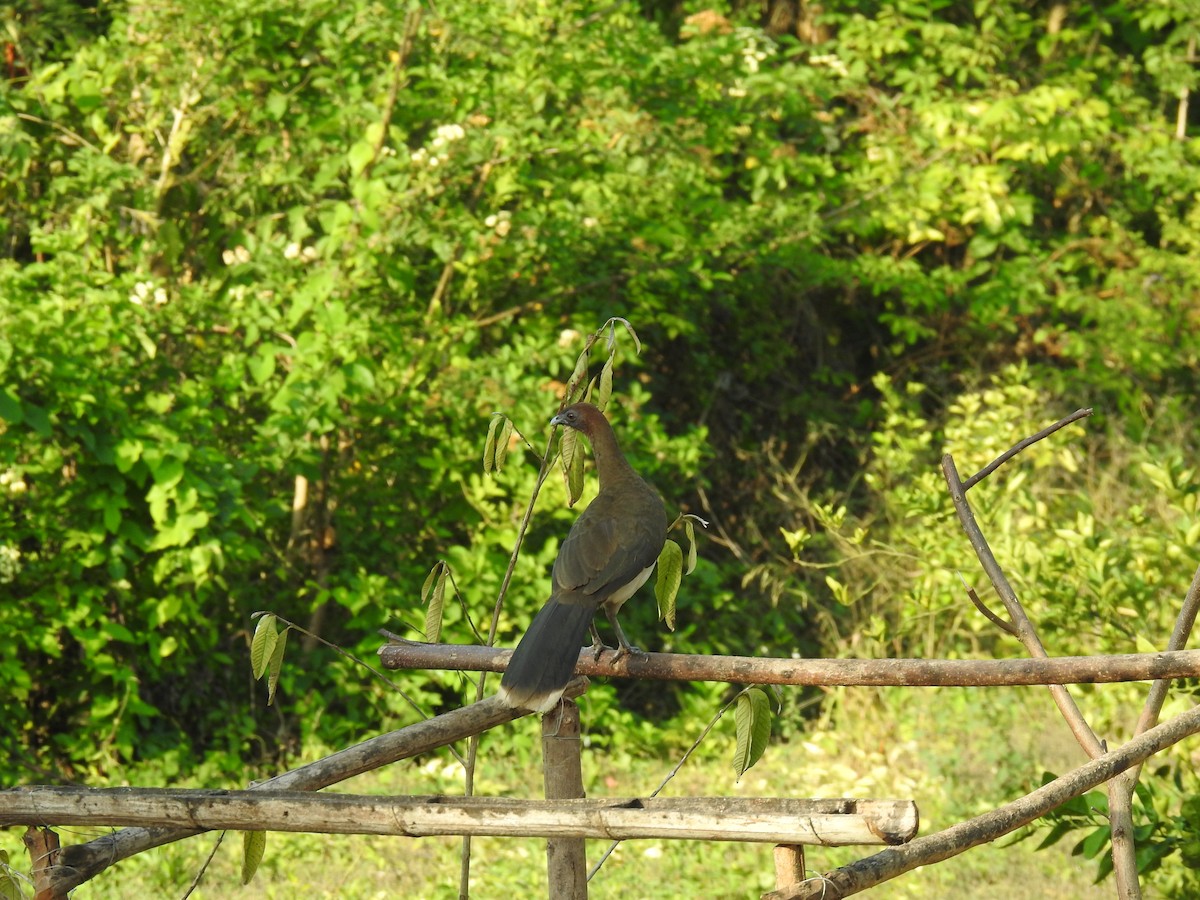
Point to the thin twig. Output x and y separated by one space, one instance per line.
1014 450
675 771
1002 624
199 876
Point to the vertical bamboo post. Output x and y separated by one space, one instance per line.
562 770
43 847
789 865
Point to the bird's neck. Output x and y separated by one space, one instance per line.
611 465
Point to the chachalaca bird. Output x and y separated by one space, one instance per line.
609 553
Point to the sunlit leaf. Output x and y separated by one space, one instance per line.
666 584
262 645
254 845
753 719
275 666
489 445
433 597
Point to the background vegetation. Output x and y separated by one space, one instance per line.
267 268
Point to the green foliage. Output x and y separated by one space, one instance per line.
1166 822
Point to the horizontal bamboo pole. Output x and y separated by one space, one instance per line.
79 862
846 672
776 821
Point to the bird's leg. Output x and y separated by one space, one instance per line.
598 645
623 645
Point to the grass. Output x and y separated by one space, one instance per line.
956 752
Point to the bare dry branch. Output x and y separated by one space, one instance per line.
1017 448
1002 624
820 672
1026 633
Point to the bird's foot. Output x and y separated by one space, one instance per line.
627 649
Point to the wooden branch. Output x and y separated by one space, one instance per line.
80 862
888 864
1024 629
1021 445
830 823
1120 792
822 672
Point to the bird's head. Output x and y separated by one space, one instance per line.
580 416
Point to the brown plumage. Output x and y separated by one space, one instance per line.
609 553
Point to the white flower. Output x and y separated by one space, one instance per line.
238 254
160 296
141 292
10 563
590 222
292 250
447 134
736 92
501 221
309 254
832 61
13 481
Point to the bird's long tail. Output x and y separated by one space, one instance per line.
545 658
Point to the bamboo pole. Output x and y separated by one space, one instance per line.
756 820
821 672
562 772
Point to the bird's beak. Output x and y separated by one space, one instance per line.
557 420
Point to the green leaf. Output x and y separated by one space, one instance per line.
578 376
37 419
1095 842
753 720
360 155
571 456
604 388
254 845
10 408
502 441
637 344
275 666
128 452
261 365
262 645
10 887
433 592
666 583
1056 834
489 446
